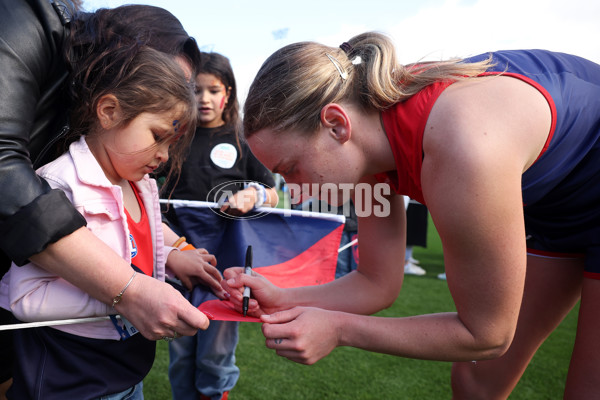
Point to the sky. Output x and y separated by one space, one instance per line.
247 32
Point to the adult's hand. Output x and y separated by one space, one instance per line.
302 334
266 297
154 307
158 310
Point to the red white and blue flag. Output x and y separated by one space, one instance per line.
290 247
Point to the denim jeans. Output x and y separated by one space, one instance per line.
346 262
204 363
133 393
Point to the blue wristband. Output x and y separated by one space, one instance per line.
261 193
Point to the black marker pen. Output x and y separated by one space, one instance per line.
247 271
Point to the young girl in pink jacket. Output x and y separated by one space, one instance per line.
133 108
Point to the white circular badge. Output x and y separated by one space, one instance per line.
224 155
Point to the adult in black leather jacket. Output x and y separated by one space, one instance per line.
32 118
40 224
33 73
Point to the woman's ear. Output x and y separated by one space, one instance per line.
108 111
335 119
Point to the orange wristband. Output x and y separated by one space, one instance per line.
179 241
188 247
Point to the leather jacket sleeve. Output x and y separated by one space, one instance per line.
33 72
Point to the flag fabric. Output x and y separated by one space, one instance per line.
291 248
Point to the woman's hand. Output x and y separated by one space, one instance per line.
266 297
158 310
302 334
196 266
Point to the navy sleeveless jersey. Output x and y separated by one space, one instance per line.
561 190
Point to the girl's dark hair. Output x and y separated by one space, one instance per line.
219 66
143 80
102 50
108 28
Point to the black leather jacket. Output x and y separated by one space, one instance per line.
32 113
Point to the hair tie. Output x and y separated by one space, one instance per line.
347 47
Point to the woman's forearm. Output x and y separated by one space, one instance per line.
447 338
87 262
353 293
154 307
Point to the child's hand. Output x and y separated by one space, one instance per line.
241 202
194 267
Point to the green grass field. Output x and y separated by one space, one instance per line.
349 373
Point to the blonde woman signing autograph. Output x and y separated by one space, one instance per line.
504 150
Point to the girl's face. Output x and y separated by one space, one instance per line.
212 97
130 152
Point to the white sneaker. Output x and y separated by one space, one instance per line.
442 276
412 269
414 261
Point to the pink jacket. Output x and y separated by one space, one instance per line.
34 294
